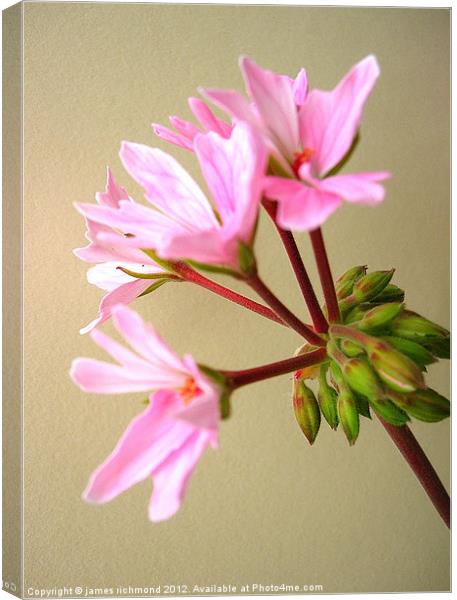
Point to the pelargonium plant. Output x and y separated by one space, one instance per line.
282 149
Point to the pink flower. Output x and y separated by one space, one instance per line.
183 224
121 287
308 134
166 441
185 131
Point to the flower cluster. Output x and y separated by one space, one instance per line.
281 148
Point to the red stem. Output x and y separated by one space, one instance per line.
325 275
240 378
280 309
412 452
290 245
189 274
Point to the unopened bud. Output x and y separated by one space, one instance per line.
420 355
389 411
363 406
440 347
425 405
356 313
350 348
372 284
379 316
348 415
306 410
361 378
345 283
327 399
414 327
397 371
391 293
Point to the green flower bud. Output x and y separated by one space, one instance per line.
306 410
414 327
413 350
391 293
363 406
345 283
397 371
361 378
327 399
348 415
372 284
350 348
356 313
440 347
379 316
425 405
389 411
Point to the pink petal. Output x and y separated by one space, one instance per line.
143 338
167 185
234 170
359 187
275 102
113 193
202 412
150 438
209 247
207 118
124 294
233 103
300 88
300 206
98 377
329 120
185 128
171 136
172 476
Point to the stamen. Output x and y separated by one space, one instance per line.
189 390
301 158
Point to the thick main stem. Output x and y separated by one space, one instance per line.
189 274
282 311
239 378
290 245
412 452
325 275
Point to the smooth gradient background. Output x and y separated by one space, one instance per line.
265 508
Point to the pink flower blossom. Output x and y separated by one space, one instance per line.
308 134
185 131
164 442
182 223
121 287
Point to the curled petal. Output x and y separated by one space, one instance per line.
300 206
172 476
329 120
363 188
171 136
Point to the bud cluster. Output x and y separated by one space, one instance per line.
376 360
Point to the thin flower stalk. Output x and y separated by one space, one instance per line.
290 245
237 379
325 275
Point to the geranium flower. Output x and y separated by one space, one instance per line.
166 441
185 132
308 134
107 275
182 223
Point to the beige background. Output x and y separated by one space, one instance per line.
266 507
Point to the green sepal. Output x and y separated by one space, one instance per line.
246 259
439 348
371 285
391 293
378 317
327 398
153 287
420 355
306 410
424 405
345 283
348 415
356 313
363 406
337 168
213 268
389 411
412 326
350 348
165 264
